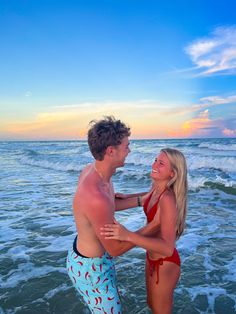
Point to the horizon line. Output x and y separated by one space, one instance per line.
134 139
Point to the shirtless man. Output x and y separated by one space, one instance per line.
89 263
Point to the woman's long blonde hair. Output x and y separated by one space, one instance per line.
179 185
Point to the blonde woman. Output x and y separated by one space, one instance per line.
166 204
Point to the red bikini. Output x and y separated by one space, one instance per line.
174 258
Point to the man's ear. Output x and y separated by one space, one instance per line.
109 150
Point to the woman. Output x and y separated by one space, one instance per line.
167 202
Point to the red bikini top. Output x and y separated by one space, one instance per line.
152 211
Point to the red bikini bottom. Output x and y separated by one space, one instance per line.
155 263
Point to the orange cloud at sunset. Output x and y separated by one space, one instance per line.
229 132
198 126
147 119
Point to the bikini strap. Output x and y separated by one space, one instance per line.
147 200
161 195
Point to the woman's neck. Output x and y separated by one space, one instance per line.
159 187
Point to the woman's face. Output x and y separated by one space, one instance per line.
161 168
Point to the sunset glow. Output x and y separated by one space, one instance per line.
163 79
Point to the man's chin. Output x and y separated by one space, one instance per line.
121 165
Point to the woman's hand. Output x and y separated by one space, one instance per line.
115 231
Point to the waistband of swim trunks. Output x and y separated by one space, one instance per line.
105 254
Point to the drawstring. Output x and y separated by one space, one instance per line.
174 258
154 264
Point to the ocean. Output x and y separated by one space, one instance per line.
37 183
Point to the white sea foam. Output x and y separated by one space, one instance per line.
226 147
194 161
18 252
51 293
208 263
190 242
56 244
231 267
196 182
133 220
212 162
210 291
25 272
36 194
200 181
59 166
9 234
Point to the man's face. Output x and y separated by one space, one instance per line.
121 152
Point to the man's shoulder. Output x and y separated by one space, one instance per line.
92 192
85 171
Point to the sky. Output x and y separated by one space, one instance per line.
165 68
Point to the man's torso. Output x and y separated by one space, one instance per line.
89 190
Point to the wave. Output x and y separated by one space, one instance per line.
195 181
224 188
194 162
226 147
226 164
59 166
200 181
30 152
228 187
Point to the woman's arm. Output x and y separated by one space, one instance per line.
124 196
164 244
125 201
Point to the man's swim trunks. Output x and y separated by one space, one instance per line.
95 280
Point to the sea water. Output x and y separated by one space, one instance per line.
37 184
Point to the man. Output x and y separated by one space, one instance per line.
90 263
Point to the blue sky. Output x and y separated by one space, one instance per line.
167 69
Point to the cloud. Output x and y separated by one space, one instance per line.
147 119
203 103
202 125
28 94
71 121
218 100
229 132
212 101
215 54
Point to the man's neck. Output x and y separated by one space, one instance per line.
104 170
